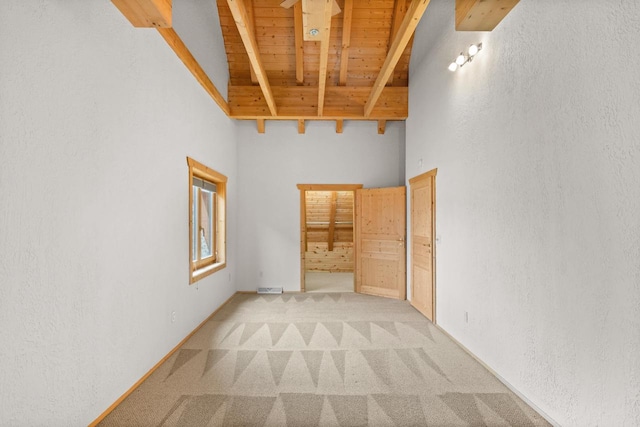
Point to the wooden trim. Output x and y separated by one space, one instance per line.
481 15
303 238
178 46
199 270
324 54
299 42
409 24
239 12
157 365
432 172
146 13
329 187
346 41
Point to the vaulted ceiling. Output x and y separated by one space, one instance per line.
314 59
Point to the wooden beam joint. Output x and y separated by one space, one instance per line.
146 13
481 15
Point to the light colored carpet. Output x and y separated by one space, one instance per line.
328 282
335 359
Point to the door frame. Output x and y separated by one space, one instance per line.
303 220
431 175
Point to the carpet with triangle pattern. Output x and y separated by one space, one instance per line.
334 359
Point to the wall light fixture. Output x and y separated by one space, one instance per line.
463 58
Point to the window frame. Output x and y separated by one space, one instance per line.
202 268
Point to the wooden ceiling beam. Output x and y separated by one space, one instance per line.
399 11
239 12
339 125
332 220
252 27
341 102
260 123
299 42
178 46
301 126
146 13
406 30
325 32
481 15
382 125
346 40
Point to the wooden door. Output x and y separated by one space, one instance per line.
380 242
422 189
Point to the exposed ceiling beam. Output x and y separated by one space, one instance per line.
346 40
299 42
398 14
146 13
382 125
252 28
409 24
301 126
339 124
481 15
332 220
325 32
260 123
341 102
313 16
241 18
178 46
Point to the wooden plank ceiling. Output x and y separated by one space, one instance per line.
314 59
355 68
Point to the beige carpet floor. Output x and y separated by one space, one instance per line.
335 359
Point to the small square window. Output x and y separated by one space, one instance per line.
207 229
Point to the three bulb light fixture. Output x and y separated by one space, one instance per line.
464 58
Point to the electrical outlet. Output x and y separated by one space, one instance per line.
173 317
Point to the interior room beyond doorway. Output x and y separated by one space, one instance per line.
327 239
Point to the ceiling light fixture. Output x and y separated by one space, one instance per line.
463 58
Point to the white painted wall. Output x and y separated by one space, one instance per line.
198 25
96 121
270 165
537 146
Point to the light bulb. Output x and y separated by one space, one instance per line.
453 66
460 60
473 49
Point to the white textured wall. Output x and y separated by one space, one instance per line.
537 146
198 25
96 120
271 164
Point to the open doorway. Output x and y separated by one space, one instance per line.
327 237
